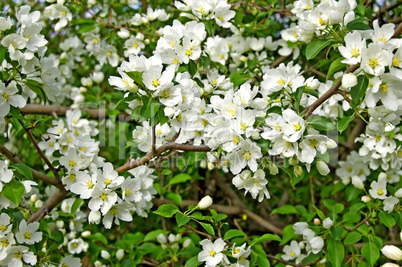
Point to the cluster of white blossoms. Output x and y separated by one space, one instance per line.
213 254
110 196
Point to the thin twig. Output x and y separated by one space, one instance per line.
48 163
38 175
293 264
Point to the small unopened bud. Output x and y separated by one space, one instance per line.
86 233
205 202
161 238
171 238
60 224
298 170
357 182
392 252
178 237
399 194
331 144
382 175
366 199
203 164
120 254
34 197
349 80
210 166
187 243
123 33
105 254
133 88
317 221
293 161
388 264
322 168
98 264
273 169
327 223
302 245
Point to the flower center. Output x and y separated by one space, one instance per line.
355 52
380 192
103 196
212 253
246 156
383 88
155 82
3 227
373 62
313 143
27 235
297 126
6 96
189 52
18 255
72 163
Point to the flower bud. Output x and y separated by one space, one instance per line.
34 197
210 166
382 175
366 199
357 182
172 238
98 264
59 224
293 161
398 193
178 237
388 264
86 233
392 252
317 221
97 76
331 144
205 202
133 88
273 169
322 167
327 223
161 238
120 254
203 164
349 80
186 243
123 33
298 170
105 254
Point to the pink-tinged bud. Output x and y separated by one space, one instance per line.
366 199
317 221
392 252
205 202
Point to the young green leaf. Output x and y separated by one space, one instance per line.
322 123
167 210
343 123
181 219
315 47
336 252
13 191
233 233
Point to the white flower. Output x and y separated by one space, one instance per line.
248 154
18 254
316 243
349 80
205 202
76 246
212 252
294 126
5 226
392 252
375 59
389 203
70 261
292 251
9 96
27 233
354 45
379 189
299 227
327 223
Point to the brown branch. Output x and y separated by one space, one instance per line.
144 5
357 226
49 205
398 31
308 111
38 175
278 61
61 111
344 94
102 22
48 163
158 151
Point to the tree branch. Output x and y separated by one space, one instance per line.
49 205
158 151
38 175
61 111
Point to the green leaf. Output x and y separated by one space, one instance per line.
336 252
298 95
13 191
76 205
193 262
149 108
192 67
98 237
37 88
233 233
3 51
205 61
322 123
288 234
208 228
181 219
266 237
337 232
238 78
386 218
352 238
333 206
167 210
180 178
285 209
371 252
316 47
320 213
352 193
23 169
343 123
335 66
86 28
137 77
358 24
152 236
174 197
357 92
